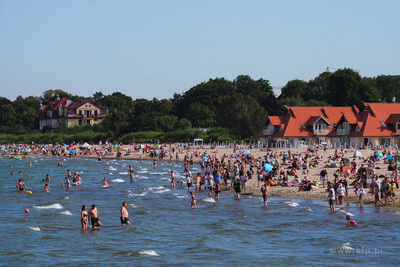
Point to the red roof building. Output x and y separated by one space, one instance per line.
71 113
377 124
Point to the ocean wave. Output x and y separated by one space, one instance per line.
138 195
112 169
161 191
347 213
134 206
142 172
148 252
66 212
122 173
34 228
155 188
182 196
117 181
209 199
53 206
293 204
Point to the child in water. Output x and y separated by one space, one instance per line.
350 221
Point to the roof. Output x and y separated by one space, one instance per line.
296 116
374 119
79 103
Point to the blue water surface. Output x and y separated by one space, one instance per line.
164 229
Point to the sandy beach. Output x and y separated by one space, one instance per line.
278 191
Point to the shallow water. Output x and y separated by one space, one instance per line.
166 231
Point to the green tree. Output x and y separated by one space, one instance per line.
344 88
8 116
167 123
389 87
201 115
368 90
318 88
241 114
294 88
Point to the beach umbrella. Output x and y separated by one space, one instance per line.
389 157
379 155
268 167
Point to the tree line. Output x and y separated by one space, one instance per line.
234 110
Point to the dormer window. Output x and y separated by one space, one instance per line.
357 128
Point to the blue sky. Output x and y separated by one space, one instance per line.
148 49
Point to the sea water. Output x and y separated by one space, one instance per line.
165 230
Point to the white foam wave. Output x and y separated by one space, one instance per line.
34 228
53 206
139 195
141 177
122 173
209 199
66 197
155 188
161 191
347 213
112 169
66 212
117 181
293 204
142 172
134 206
164 179
181 196
148 252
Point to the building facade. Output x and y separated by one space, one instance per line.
375 125
71 113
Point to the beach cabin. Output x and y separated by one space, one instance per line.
367 174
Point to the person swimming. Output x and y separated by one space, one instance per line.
350 221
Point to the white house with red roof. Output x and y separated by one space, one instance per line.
71 113
376 124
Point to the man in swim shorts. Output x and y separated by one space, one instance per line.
94 216
21 186
124 214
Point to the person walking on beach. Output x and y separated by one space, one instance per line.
331 197
94 217
84 218
361 193
340 194
377 191
124 214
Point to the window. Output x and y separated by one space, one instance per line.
80 112
95 112
357 128
383 124
80 122
302 125
88 121
346 126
